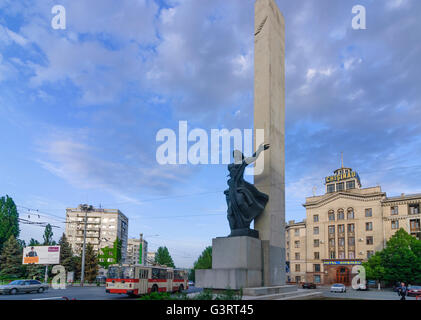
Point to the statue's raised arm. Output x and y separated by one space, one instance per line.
261 148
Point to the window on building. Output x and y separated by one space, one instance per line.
297 268
351 241
350 214
351 227
350 185
369 226
369 240
330 188
341 254
297 244
317 279
316 243
297 232
341 214
341 228
331 229
394 210
341 242
316 230
351 254
414 225
395 224
414 208
297 279
332 255
370 253
297 256
316 218
331 216
316 267
369 212
316 255
332 242
340 186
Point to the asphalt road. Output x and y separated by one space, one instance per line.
98 293
78 293
372 294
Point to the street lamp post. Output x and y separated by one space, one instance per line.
86 208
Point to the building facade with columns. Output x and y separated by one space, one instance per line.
346 226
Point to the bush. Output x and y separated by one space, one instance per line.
157 296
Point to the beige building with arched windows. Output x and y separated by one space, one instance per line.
345 226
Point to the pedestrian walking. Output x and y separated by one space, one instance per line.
402 291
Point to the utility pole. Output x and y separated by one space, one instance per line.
86 208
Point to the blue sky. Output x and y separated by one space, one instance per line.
80 107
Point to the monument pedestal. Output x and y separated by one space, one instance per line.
236 264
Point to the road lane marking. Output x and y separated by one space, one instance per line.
49 298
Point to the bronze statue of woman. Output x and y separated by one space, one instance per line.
244 201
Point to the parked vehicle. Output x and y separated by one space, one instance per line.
414 291
338 287
362 287
23 286
190 284
308 285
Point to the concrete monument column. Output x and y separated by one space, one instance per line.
269 114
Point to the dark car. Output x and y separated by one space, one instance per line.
414 291
308 285
23 286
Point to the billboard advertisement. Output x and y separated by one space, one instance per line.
41 255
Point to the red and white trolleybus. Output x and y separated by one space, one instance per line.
136 280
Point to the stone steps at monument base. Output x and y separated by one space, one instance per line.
264 291
295 295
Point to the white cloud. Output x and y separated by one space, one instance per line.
311 73
395 4
7 36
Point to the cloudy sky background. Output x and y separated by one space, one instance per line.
80 107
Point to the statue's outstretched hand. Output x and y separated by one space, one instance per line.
263 147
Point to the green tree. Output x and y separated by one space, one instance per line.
66 254
91 263
35 271
48 236
11 259
203 262
33 243
109 255
9 220
163 257
399 261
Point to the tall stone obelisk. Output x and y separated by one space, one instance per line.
269 114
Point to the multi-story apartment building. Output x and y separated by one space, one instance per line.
102 228
346 225
296 250
135 251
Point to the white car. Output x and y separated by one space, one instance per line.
361 287
338 287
